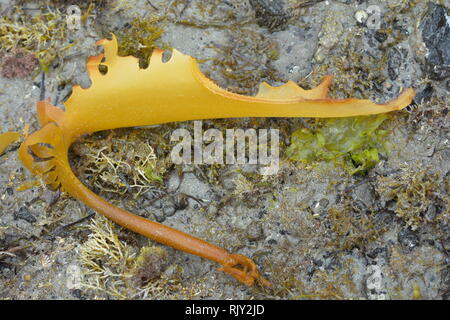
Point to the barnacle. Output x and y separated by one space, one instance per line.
176 90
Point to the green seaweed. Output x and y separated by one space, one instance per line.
354 143
152 174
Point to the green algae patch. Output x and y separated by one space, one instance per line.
355 143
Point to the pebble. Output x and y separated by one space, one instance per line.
25 214
408 238
169 210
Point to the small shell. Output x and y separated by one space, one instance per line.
361 16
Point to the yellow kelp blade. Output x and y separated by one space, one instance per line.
7 138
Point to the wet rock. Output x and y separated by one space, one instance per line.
159 215
150 195
262 212
6 271
364 196
51 197
435 29
169 210
297 47
328 261
396 59
408 238
212 210
384 217
270 14
229 183
254 231
380 36
181 202
359 206
431 213
376 252
375 283
77 293
446 245
424 95
157 204
173 183
24 214
390 205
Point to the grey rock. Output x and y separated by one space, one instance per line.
385 217
380 36
51 197
408 238
181 202
157 204
254 231
25 214
326 260
212 210
396 59
364 196
424 95
228 183
431 212
435 29
270 14
169 210
159 215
